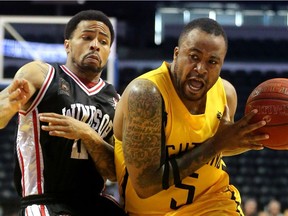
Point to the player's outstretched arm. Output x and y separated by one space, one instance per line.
11 100
17 95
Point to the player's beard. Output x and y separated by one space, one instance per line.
92 68
88 67
181 86
176 78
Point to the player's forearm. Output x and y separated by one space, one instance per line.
174 170
10 103
6 114
101 152
188 163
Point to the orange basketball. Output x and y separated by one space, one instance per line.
271 99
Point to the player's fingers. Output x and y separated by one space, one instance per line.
53 119
256 146
250 115
58 133
55 127
25 86
248 128
14 85
52 115
14 94
257 138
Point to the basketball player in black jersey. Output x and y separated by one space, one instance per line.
64 160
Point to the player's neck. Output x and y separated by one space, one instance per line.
88 83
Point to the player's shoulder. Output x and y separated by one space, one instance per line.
142 87
35 72
227 84
140 91
229 87
33 68
36 63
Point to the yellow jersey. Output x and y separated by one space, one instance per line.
183 131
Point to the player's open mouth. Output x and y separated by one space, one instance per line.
195 85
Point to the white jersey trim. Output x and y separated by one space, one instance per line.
89 91
42 91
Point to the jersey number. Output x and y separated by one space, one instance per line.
78 150
191 191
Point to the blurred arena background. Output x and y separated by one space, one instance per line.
147 33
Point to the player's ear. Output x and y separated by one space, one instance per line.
176 52
67 46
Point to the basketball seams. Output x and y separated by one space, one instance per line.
271 99
268 98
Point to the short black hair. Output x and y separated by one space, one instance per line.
88 15
205 24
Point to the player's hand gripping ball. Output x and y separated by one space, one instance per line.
271 99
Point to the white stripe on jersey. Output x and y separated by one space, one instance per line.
36 210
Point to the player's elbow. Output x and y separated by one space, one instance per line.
146 192
143 194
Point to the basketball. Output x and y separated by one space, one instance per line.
271 99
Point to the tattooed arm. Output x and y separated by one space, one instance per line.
19 94
70 128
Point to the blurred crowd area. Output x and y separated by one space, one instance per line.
273 208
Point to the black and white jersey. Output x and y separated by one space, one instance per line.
58 166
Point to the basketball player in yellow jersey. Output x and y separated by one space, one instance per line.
173 125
